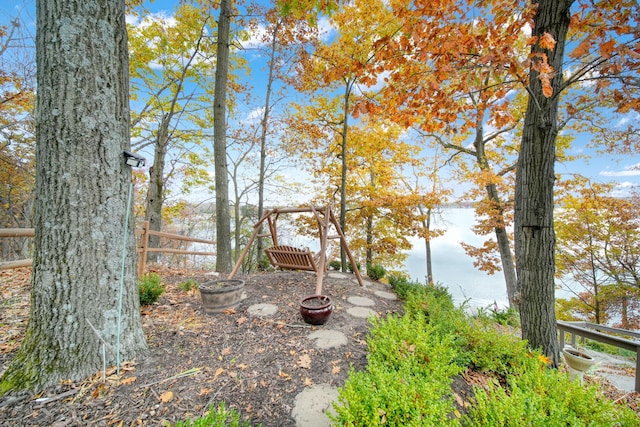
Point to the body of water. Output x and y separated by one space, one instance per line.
452 267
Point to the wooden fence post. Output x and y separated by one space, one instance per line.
144 244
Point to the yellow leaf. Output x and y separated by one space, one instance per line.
226 351
335 369
167 396
241 320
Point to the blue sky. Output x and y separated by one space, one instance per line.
624 170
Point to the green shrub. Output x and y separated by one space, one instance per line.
188 285
494 351
402 285
264 264
150 288
503 316
350 267
335 265
376 271
545 397
412 360
407 380
220 417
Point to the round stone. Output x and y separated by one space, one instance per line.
263 310
311 405
386 295
361 301
328 338
363 312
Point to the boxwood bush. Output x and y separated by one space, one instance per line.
414 358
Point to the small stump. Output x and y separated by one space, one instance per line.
220 295
316 309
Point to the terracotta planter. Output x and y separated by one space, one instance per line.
316 309
220 295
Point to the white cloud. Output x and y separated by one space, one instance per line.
633 170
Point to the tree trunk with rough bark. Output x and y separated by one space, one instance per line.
155 193
534 233
82 188
223 221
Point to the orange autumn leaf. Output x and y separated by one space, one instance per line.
606 49
219 371
547 90
582 49
547 41
128 380
167 396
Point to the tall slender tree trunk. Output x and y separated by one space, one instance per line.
504 248
500 230
534 234
426 224
264 131
223 222
82 187
343 170
155 193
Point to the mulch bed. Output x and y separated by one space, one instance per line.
256 365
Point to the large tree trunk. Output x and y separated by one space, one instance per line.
82 187
223 223
534 234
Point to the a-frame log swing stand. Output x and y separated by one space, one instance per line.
287 257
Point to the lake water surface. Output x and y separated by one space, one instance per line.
452 267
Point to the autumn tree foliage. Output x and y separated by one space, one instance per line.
449 49
171 75
598 255
17 145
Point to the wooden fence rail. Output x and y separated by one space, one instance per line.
595 332
142 250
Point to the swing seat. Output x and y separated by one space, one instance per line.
290 258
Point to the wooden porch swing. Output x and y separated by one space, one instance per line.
292 258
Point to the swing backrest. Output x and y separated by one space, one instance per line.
290 258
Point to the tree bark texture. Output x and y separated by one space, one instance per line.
343 169
264 128
155 192
534 233
223 221
82 185
502 237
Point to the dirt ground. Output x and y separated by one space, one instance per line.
256 365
